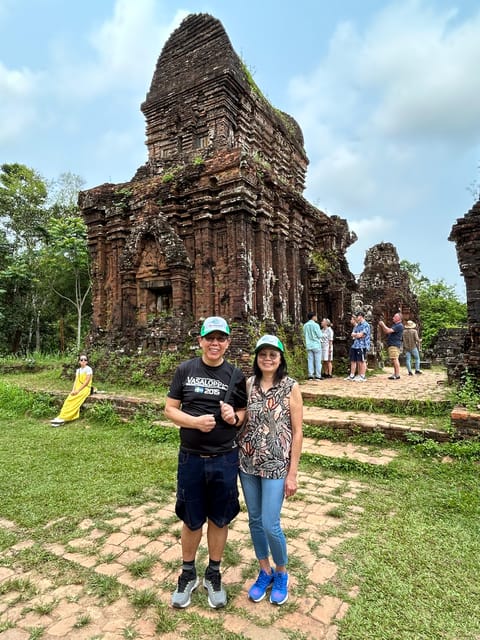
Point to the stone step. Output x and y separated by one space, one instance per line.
347 421
353 422
348 450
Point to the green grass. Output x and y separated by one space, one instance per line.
22 587
166 620
75 471
142 567
49 378
416 555
7 539
411 407
107 588
83 620
144 598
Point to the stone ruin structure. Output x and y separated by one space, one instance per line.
448 346
384 289
215 221
466 235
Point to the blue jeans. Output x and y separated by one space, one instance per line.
264 498
408 359
314 358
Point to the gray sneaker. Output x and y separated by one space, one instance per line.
187 583
217 596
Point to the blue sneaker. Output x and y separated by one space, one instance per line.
279 593
258 590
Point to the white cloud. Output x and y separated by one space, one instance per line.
110 65
369 231
122 51
17 88
387 105
371 228
426 73
115 144
344 170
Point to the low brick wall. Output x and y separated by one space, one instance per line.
125 406
466 423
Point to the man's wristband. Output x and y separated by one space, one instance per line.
237 419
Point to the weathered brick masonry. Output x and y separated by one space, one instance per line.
215 221
466 235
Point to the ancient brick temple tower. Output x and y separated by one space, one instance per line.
466 235
384 289
384 286
215 221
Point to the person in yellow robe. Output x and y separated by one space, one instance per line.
77 396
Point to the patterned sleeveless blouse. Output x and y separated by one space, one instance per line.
265 441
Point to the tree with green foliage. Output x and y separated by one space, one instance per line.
43 260
23 217
438 302
66 257
23 194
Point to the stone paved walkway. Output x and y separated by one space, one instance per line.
114 580
430 385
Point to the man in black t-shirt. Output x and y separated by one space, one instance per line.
207 400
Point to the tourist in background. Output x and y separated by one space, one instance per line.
394 342
359 348
411 347
270 445
208 457
313 344
82 387
327 347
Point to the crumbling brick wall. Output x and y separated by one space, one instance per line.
466 235
215 221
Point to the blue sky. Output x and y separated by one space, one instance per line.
387 94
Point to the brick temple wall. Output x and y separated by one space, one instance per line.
466 235
215 221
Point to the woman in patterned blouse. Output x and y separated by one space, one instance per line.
270 445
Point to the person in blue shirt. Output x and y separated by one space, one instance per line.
359 348
313 344
394 342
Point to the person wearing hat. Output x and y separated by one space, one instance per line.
207 400
270 445
411 347
394 342
359 348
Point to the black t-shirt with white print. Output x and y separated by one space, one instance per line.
200 388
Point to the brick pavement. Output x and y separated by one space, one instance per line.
431 385
61 597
